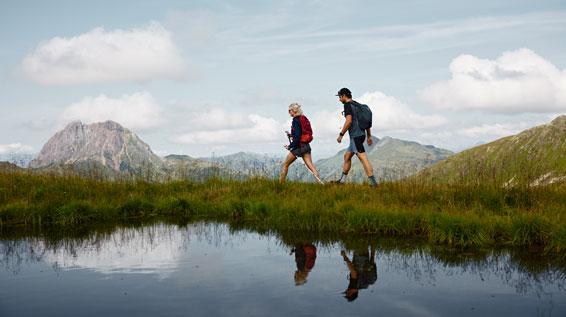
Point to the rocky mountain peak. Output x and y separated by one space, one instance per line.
106 143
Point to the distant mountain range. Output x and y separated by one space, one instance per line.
106 149
187 167
249 164
109 150
19 159
535 156
391 159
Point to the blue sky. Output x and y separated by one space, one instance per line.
215 76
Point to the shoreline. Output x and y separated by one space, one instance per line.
454 215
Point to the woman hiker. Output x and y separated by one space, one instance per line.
305 257
300 137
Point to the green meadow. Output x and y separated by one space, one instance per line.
475 214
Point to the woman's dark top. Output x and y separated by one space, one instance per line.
295 133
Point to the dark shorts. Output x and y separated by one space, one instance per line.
357 144
302 150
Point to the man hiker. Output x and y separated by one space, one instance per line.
358 124
363 271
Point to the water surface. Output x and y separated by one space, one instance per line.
209 269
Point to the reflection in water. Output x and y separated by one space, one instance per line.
305 257
148 250
215 260
363 271
152 249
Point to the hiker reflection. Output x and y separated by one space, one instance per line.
363 272
305 256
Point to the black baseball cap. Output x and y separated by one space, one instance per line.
344 91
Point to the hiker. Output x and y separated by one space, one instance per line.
351 293
299 138
305 257
363 271
357 125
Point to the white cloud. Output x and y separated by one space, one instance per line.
516 82
136 111
216 126
220 127
326 123
391 114
138 54
15 148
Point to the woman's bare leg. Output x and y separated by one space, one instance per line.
307 158
285 167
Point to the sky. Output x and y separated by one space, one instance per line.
209 78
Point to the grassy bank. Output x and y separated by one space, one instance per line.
466 215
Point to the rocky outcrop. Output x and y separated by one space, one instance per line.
106 143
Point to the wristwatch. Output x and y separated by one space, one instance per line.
341 134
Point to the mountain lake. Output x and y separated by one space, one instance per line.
212 269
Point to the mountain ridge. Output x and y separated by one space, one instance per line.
391 159
534 156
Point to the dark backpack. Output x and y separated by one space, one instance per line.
364 115
306 130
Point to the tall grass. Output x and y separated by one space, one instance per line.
467 214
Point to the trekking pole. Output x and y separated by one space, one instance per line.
316 177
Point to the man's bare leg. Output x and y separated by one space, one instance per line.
367 167
346 166
366 163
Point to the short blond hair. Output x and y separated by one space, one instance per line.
296 108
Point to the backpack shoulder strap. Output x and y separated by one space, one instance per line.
354 105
